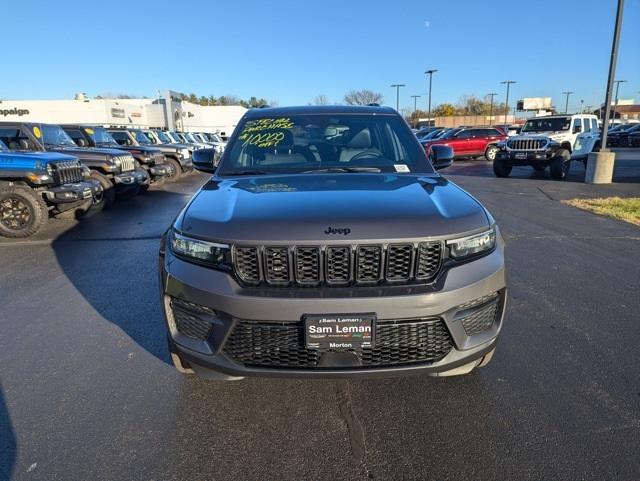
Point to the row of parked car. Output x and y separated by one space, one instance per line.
70 170
546 142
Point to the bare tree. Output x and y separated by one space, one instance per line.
320 100
363 97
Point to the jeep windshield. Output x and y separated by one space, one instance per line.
141 137
54 136
554 124
308 143
174 138
164 138
101 137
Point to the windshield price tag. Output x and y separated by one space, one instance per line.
401 168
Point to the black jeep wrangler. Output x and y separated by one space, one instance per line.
115 170
178 156
149 159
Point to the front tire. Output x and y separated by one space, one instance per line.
559 165
490 153
501 168
175 165
22 212
108 194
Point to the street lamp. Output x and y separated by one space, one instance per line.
581 105
415 101
506 111
615 103
430 74
491 95
566 104
600 164
397 87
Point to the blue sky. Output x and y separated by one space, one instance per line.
290 51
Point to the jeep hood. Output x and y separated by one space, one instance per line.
541 135
291 208
43 157
92 152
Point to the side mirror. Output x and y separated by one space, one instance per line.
206 160
441 156
81 142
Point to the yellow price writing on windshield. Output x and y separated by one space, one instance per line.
36 132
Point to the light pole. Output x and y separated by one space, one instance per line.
581 106
615 103
566 103
397 87
415 101
430 74
600 164
506 111
491 95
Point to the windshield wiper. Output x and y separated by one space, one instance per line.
342 169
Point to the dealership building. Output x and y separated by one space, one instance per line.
167 111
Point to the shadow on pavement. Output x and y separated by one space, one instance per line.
121 280
7 442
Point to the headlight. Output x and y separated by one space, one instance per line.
185 153
117 161
86 171
50 170
201 252
472 245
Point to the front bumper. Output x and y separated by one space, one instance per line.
74 193
207 289
161 171
130 180
516 158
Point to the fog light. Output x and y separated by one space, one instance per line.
66 195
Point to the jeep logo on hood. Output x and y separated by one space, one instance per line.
337 230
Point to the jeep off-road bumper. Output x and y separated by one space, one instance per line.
129 180
160 171
72 193
223 331
517 158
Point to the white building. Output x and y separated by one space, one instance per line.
164 112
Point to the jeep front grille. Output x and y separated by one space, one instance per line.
68 172
127 163
527 144
281 344
338 265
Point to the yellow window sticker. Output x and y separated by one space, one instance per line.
90 131
268 132
36 132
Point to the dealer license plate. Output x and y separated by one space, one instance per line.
521 155
339 331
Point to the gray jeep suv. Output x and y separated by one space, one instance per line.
327 245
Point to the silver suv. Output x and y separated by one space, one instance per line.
327 245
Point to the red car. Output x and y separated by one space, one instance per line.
470 142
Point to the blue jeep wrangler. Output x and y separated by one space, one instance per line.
36 184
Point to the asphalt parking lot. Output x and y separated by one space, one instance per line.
87 391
